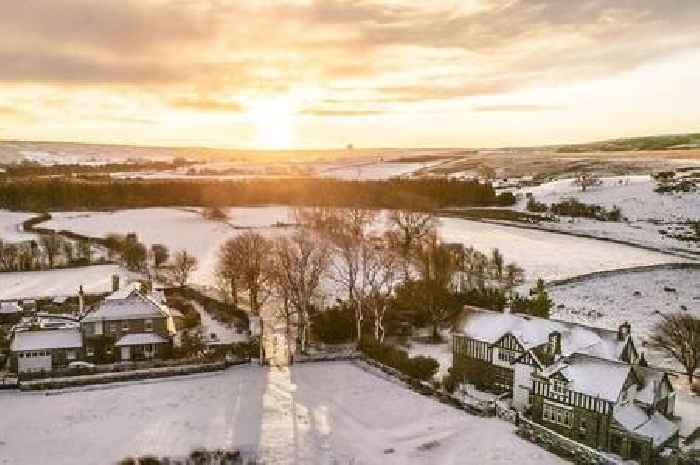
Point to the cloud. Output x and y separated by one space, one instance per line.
206 104
342 113
385 50
490 108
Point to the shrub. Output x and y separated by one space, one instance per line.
333 326
419 367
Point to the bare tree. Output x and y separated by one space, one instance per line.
584 181
408 230
679 336
183 266
255 252
436 265
161 254
85 250
300 263
513 277
229 266
52 244
381 284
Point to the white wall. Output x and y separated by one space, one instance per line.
28 364
522 383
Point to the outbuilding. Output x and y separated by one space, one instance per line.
44 350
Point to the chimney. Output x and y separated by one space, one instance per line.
115 282
81 300
623 331
555 343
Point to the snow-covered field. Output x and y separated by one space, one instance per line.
608 301
321 413
177 228
647 211
542 254
375 170
65 282
548 255
11 226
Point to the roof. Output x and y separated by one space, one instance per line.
10 307
651 380
532 332
46 339
593 376
140 338
655 426
132 306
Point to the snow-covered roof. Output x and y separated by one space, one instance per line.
532 332
140 338
655 426
46 339
7 308
592 376
132 306
651 380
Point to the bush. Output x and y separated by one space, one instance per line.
419 367
333 326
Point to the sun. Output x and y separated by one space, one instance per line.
273 121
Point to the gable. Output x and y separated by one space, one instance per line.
509 342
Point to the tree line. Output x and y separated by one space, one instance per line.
65 194
343 262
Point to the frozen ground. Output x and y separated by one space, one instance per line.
11 226
375 170
65 282
177 228
226 333
548 255
608 301
647 212
321 413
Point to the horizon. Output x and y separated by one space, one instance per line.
322 74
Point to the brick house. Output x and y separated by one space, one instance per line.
128 326
582 382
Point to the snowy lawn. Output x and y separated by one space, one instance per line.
66 282
548 255
320 413
11 226
177 228
639 203
608 301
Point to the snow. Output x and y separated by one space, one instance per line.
593 376
176 228
134 339
633 418
548 255
609 300
317 413
226 333
46 339
375 170
442 353
647 211
134 306
66 282
11 226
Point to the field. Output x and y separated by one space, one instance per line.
66 282
177 228
638 297
324 413
647 212
11 226
548 255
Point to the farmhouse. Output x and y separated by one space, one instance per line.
44 350
128 326
583 382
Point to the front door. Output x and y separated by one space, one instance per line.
125 353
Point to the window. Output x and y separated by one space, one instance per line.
506 355
125 326
556 414
90 351
112 327
148 325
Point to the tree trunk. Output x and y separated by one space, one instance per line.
234 294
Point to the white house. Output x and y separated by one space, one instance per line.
44 350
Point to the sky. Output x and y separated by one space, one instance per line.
327 73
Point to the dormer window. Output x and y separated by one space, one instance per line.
148 325
558 388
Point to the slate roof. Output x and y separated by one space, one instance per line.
655 426
132 306
533 332
593 376
46 339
